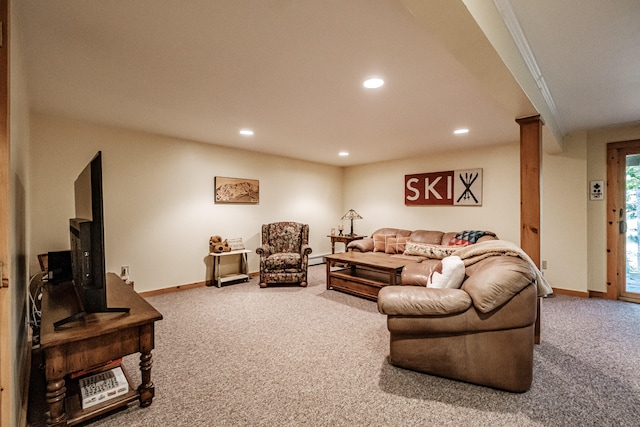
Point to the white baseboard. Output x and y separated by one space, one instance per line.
316 259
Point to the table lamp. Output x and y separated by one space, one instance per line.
351 214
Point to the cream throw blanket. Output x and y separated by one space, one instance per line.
479 251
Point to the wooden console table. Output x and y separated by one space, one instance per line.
96 339
366 272
346 239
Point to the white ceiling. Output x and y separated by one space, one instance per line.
292 71
588 52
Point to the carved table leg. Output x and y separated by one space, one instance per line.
146 389
56 393
328 265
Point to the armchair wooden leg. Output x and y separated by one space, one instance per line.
263 285
303 284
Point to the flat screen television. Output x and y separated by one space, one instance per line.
59 267
86 233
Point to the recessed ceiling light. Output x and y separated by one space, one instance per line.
343 153
461 131
246 132
373 83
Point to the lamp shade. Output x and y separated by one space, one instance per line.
351 214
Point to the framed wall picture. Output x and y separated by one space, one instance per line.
237 190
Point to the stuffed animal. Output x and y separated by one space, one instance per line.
215 244
449 275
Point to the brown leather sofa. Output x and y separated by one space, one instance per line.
430 237
482 333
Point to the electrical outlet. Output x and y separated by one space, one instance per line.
124 271
544 265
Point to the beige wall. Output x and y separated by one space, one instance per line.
596 210
574 227
158 198
14 396
564 217
376 191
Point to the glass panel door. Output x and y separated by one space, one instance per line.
632 218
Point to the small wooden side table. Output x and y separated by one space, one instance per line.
345 239
242 273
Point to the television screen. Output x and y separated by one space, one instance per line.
86 233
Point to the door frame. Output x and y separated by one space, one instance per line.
6 367
616 205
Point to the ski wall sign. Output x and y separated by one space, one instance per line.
457 188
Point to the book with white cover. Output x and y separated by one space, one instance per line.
102 386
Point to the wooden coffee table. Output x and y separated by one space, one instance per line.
365 272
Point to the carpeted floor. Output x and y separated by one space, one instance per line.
289 356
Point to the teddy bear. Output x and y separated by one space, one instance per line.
217 245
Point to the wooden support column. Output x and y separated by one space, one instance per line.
530 167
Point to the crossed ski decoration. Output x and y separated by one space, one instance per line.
468 181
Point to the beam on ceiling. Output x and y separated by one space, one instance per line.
498 22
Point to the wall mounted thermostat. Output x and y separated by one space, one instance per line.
596 190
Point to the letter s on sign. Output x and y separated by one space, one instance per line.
416 192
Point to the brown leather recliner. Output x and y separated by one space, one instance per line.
482 333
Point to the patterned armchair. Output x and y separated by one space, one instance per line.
284 254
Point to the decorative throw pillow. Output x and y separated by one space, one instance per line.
430 251
449 274
402 242
396 244
469 237
236 243
391 245
459 242
380 242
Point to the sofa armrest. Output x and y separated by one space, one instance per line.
495 280
362 245
419 301
417 273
